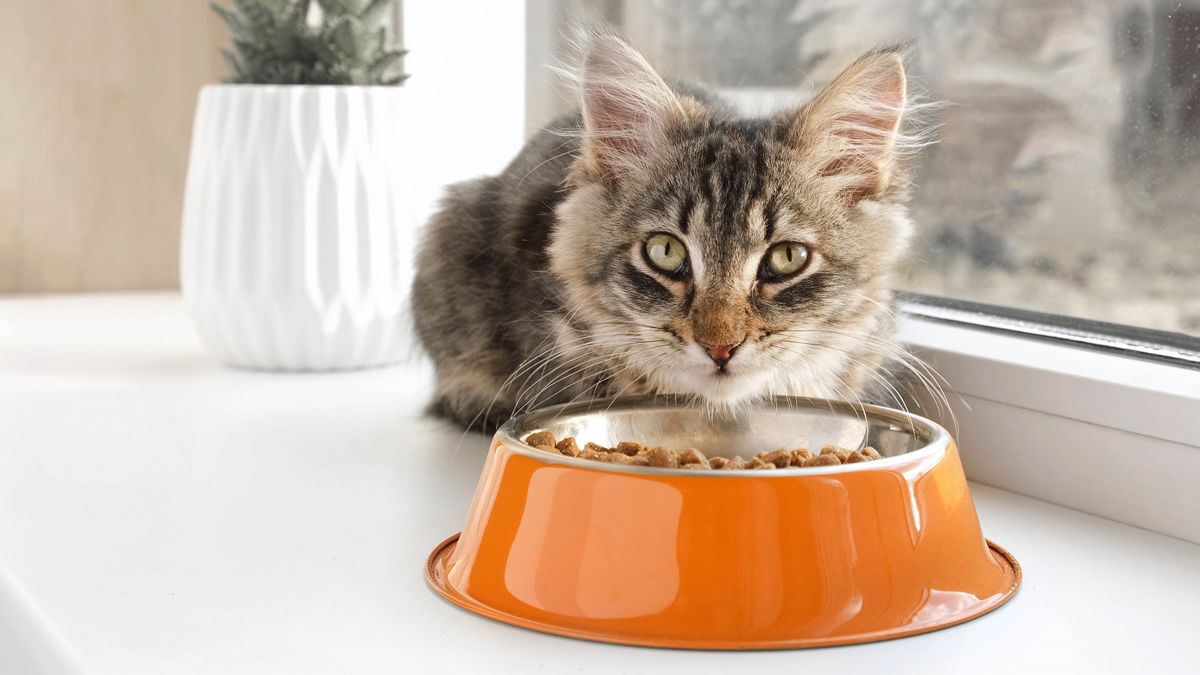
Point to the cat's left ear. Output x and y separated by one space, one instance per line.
629 111
850 135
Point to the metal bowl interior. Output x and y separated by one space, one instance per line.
783 422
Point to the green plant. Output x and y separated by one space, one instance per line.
275 43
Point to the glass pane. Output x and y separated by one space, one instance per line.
1067 177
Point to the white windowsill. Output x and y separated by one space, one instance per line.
1100 432
160 513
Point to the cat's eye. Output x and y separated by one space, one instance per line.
784 260
666 253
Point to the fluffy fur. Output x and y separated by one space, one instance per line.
534 287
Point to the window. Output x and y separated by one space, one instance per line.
1067 178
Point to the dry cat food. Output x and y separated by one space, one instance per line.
628 452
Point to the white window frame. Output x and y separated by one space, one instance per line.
1101 432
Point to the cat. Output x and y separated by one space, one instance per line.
655 242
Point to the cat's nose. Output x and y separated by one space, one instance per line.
720 354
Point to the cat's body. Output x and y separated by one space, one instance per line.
561 278
483 291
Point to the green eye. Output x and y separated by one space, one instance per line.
785 259
666 253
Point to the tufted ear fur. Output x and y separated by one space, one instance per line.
629 111
851 133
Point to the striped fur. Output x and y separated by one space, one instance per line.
533 286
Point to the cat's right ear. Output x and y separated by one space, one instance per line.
629 111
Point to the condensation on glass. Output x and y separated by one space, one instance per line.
1067 175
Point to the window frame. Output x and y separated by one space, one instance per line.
1167 347
1094 429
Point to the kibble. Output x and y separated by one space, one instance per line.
567 446
589 452
629 448
621 458
823 460
780 459
690 456
637 454
542 439
661 457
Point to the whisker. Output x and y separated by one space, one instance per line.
925 374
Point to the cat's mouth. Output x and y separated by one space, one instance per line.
728 383
728 386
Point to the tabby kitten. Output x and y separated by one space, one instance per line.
654 242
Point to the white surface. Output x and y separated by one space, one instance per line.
29 643
1103 388
173 516
1109 434
298 224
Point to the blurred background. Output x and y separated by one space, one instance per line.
95 128
1067 179
97 125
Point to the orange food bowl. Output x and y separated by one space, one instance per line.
798 557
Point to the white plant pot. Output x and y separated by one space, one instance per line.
296 242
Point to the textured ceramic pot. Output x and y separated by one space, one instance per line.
295 251
800 557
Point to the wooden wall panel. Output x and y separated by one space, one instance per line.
96 103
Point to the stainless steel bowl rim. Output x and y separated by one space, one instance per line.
511 434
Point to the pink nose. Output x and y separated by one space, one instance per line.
720 354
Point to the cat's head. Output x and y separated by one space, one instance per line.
730 258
